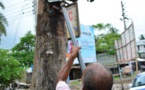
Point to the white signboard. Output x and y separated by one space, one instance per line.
126 46
124 53
123 39
127 36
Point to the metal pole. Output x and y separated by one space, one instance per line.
118 65
70 29
35 9
120 76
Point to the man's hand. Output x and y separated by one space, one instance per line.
65 70
75 51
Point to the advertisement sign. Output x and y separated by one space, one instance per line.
126 45
74 19
87 43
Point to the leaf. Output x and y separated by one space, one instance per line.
2 6
24 50
105 41
10 68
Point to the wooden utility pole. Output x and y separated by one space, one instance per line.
123 15
51 43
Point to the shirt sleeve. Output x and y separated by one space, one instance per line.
61 85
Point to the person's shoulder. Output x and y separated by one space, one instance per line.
61 85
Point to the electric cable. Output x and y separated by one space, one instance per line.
19 22
29 6
15 18
8 17
17 3
16 7
14 13
16 10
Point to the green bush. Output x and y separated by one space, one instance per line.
10 68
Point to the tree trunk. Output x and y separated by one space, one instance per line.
51 44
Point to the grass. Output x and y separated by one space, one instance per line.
75 83
116 77
126 76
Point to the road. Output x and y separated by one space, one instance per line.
119 87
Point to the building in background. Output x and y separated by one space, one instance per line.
141 48
109 61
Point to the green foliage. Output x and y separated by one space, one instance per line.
10 68
101 26
105 41
3 22
2 6
26 59
24 51
142 37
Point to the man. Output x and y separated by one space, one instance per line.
95 76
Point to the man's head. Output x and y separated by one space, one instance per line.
97 77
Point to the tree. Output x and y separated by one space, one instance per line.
3 22
105 41
10 68
24 50
101 26
50 48
142 37
108 27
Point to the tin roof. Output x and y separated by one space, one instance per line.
140 42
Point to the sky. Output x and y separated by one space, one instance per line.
21 18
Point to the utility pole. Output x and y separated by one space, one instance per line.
35 8
51 43
34 74
123 15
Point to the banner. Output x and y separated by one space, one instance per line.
87 43
126 46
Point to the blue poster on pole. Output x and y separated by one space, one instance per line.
87 43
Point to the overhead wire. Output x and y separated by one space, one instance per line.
16 7
11 13
26 12
10 17
15 11
19 22
15 4
16 18
6 10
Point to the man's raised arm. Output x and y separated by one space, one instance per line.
65 70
